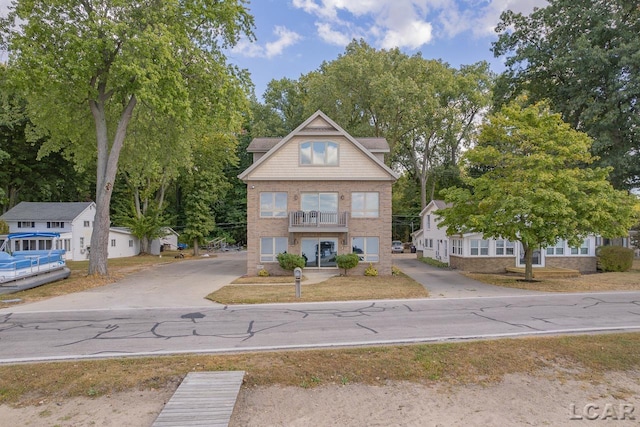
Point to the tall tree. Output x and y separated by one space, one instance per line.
204 184
287 98
25 176
94 61
583 57
155 153
535 189
425 109
444 122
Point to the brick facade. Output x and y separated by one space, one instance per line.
357 227
278 168
482 264
584 264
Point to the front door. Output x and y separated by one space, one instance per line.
320 252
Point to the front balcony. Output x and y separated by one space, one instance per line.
318 221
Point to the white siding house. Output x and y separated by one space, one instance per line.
432 240
471 252
74 222
170 240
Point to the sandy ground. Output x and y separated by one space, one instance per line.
518 400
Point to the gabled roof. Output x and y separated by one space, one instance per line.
260 144
438 204
374 145
122 230
46 211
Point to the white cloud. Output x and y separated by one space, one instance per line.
407 23
412 35
331 36
4 7
285 38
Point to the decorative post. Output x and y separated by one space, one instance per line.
297 273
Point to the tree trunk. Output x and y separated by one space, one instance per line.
196 247
528 262
107 166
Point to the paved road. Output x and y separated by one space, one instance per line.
163 311
103 333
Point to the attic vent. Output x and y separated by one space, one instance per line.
324 128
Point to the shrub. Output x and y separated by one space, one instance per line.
4 227
615 258
371 271
347 261
263 273
395 271
290 261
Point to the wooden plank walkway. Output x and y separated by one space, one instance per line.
203 399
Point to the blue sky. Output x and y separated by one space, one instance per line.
294 37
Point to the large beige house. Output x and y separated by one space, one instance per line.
318 193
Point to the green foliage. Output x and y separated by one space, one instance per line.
425 109
24 176
434 262
91 71
263 273
289 261
534 187
583 57
615 258
4 227
395 271
371 271
347 261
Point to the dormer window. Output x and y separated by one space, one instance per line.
319 153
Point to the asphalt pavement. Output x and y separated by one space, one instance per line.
163 311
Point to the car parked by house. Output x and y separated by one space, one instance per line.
397 247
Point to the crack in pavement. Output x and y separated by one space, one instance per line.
507 323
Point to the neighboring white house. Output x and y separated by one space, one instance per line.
168 241
431 240
471 252
74 222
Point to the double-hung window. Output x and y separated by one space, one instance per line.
504 247
270 247
273 205
319 153
367 248
479 247
582 250
557 249
365 205
456 246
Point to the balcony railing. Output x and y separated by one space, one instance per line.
325 221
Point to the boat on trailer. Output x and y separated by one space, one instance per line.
24 269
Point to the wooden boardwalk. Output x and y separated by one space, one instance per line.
203 399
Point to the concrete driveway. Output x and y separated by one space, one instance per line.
182 284
445 283
185 284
